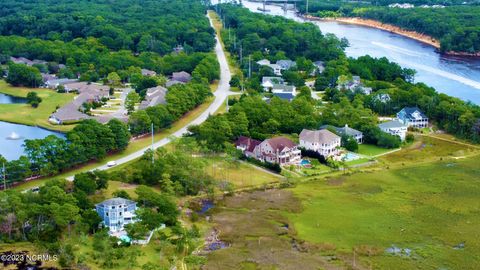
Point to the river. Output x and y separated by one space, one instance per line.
455 76
12 136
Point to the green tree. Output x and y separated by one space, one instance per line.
131 100
33 99
20 74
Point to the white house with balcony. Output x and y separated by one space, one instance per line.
116 213
278 150
413 117
323 141
394 127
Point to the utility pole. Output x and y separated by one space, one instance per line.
306 13
153 155
249 66
241 54
4 178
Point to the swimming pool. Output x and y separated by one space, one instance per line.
305 162
349 156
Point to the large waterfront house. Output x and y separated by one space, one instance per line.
278 150
323 141
394 127
116 213
413 117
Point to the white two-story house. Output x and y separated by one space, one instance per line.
278 150
394 127
325 142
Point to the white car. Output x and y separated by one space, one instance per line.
111 163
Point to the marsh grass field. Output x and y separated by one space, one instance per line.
419 208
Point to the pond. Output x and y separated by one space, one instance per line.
12 137
7 99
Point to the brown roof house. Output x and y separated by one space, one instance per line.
247 145
154 96
325 142
278 150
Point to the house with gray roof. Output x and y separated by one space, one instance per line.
181 76
354 85
54 83
286 96
67 114
84 87
286 64
147 72
154 96
413 117
346 130
319 66
383 98
323 141
394 127
116 213
172 82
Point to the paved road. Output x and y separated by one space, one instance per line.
223 91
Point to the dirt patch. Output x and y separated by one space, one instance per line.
261 237
336 181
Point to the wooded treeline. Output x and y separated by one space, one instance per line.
457 26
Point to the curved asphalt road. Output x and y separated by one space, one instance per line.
223 91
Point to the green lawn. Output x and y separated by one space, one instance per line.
238 173
372 150
427 149
25 114
428 208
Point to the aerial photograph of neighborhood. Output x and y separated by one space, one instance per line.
240 134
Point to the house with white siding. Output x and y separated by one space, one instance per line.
323 141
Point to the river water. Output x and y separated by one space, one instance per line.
455 76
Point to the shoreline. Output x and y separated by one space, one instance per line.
392 29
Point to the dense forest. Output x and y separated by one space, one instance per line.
139 26
457 27
93 39
268 35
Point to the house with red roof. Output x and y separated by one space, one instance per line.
247 145
279 150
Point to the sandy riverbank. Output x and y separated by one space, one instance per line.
387 27
394 29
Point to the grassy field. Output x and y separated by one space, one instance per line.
372 150
238 173
428 209
25 114
428 149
